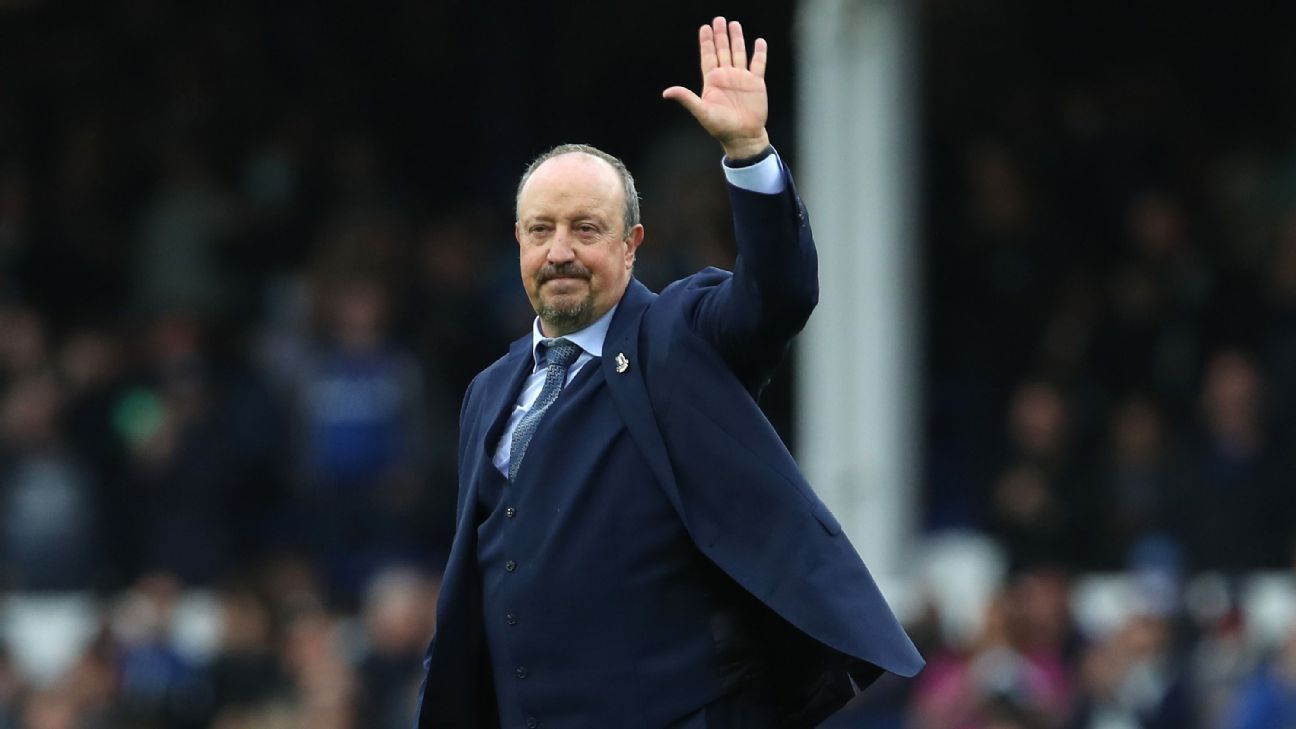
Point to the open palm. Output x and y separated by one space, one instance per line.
734 104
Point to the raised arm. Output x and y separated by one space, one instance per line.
749 317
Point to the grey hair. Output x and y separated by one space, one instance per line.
631 217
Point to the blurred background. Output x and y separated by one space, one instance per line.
252 253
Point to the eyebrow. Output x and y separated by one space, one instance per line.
578 215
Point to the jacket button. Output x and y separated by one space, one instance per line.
532 723
510 565
520 672
511 619
510 512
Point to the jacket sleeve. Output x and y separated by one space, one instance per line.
752 315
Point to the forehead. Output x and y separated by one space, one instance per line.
573 179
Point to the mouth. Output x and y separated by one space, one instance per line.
560 279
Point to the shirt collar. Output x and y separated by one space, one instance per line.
590 339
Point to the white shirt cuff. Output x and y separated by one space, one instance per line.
765 176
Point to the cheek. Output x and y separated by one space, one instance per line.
610 266
529 267
530 261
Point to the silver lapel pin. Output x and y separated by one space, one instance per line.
622 364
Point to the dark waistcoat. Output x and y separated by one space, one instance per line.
590 580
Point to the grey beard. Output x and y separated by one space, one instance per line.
567 319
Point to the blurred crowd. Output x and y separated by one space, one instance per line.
1027 663
1112 288
1111 355
281 659
248 263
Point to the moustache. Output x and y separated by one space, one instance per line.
565 270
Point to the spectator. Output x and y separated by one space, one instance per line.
92 367
1035 505
47 504
1015 670
1133 678
1268 699
157 683
181 228
201 437
1158 288
1236 505
245 672
1224 658
456 260
1136 483
361 430
397 625
325 689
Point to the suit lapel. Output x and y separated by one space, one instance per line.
503 393
623 367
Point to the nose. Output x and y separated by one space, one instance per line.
560 248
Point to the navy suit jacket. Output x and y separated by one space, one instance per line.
698 355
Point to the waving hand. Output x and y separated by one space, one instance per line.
734 105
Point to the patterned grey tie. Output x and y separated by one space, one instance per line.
559 354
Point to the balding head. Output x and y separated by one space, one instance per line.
631 217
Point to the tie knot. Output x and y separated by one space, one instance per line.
560 351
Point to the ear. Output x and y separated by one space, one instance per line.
632 244
517 232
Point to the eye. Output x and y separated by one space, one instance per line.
587 228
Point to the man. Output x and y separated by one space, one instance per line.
634 546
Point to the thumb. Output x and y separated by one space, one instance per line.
686 98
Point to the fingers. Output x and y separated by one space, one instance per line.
759 53
721 32
737 45
707 49
686 98
721 44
